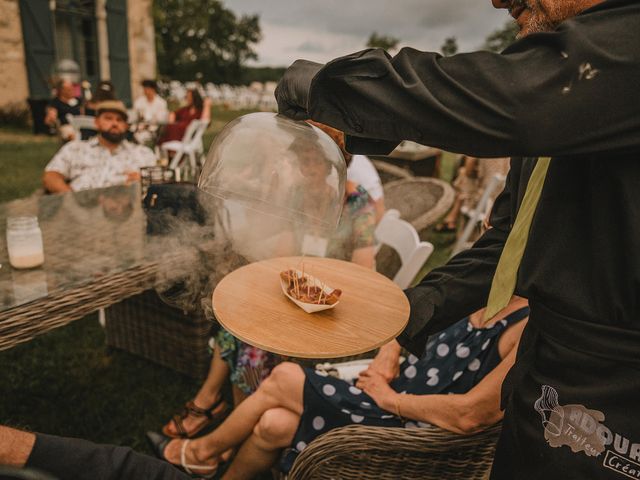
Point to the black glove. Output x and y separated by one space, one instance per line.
292 93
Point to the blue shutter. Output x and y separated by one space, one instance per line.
39 47
119 48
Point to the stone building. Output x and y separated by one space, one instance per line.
108 39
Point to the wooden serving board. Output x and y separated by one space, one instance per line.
249 303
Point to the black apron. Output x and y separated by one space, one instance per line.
572 402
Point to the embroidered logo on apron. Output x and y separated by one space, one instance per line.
580 429
575 426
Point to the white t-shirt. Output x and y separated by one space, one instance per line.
154 111
87 164
362 172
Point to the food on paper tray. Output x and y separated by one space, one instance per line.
308 292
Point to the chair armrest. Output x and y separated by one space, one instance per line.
362 452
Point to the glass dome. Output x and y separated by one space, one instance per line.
279 184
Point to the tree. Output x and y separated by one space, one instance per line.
502 38
449 47
203 40
385 42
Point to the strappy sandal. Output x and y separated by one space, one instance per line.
189 468
158 444
191 409
446 227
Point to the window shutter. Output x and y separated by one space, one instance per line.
118 33
37 33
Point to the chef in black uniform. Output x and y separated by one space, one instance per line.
569 89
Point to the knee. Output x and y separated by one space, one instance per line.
281 376
277 427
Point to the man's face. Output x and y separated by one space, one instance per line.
112 126
535 16
149 92
66 90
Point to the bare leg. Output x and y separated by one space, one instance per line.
15 446
282 389
451 219
208 394
238 395
260 451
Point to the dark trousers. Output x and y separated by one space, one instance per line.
75 459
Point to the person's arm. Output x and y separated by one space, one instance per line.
55 182
51 116
387 361
460 287
172 117
380 209
58 170
206 110
15 446
84 460
568 92
466 413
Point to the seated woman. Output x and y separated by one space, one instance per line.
247 366
195 109
472 179
455 385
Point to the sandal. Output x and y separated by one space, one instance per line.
191 409
159 444
445 227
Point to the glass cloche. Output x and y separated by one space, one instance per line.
277 186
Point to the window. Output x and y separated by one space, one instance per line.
75 35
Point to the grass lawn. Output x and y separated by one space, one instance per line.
67 382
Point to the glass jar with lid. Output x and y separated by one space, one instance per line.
24 242
277 184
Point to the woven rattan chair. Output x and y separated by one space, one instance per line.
420 201
359 452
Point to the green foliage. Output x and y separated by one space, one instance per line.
449 47
502 38
386 42
261 74
203 40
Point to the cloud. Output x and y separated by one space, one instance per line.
322 30
311 47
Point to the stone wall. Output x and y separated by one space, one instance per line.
14 86
142 47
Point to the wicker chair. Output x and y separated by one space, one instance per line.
359 452
420 201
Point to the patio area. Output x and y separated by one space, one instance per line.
68 381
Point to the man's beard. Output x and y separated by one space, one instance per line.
544 18
111 137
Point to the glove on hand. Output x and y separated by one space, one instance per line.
292 93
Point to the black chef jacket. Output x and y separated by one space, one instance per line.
572 94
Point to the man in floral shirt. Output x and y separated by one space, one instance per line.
103 161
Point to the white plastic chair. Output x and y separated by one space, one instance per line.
190 145
79 122
478 214
403 238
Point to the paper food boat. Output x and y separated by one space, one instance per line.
309 307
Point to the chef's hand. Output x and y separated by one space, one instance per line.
292 93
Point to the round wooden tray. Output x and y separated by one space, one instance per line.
250 304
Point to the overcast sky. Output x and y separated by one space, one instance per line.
320 30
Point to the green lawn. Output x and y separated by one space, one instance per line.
67 382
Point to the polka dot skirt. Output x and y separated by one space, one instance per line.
453 362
